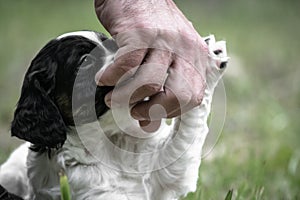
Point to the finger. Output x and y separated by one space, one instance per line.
150 126
163 105
184 89
156 63
146 82
123 65
159 106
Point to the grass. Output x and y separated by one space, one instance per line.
258 153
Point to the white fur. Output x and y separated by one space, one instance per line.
87 34
13 173
114 174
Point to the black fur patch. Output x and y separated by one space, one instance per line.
44 110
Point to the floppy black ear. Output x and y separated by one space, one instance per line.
37 118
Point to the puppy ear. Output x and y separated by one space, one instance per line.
37 119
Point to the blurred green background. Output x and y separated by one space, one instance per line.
258 153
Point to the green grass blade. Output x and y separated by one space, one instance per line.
229 195
64 187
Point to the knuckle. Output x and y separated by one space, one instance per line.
184 97
197 100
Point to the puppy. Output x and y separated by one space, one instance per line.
76 133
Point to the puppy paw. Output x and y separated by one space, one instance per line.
218 60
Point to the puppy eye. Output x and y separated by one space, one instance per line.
87 61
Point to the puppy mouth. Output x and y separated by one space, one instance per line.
88 107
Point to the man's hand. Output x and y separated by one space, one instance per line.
161 57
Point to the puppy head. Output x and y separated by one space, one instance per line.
44 110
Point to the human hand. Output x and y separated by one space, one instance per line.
160 56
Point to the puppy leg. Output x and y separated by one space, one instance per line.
13 173
190 131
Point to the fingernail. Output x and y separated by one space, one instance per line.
107 101
100 84
98 77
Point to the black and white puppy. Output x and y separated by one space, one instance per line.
109 164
